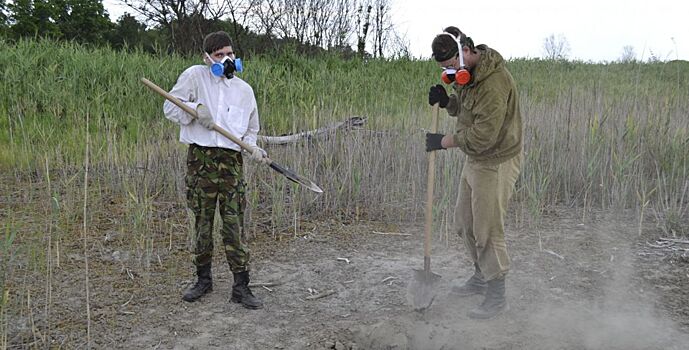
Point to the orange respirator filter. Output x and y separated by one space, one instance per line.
460 76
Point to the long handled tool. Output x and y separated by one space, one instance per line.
422 287
273 164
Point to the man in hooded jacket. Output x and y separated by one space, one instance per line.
489 131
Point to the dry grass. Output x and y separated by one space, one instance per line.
596 137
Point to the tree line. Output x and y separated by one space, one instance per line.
350 28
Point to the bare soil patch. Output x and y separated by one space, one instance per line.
573 285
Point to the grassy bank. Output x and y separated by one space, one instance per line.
90 166
597 135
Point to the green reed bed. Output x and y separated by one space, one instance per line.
597 136
585 124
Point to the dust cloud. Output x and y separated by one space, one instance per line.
593 298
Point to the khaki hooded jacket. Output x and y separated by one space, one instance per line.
489 122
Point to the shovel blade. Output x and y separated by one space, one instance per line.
292 176
426 276
421 290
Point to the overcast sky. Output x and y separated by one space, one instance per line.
596 30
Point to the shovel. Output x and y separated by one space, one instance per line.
422 286
290 175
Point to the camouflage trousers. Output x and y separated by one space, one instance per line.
214 179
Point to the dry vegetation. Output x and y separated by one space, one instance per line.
88 159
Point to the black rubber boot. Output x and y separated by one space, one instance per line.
241 293
474 285
495 302
203 285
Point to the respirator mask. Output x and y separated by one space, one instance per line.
460 76
226 67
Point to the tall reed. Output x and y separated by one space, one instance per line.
597 137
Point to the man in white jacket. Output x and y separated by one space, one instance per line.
214 163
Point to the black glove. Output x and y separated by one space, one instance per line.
433 142
437 94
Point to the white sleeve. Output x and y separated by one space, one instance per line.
186 91
252 130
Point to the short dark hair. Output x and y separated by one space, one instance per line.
216 41
445 47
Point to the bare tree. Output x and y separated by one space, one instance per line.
363 24
556 48
377 29
239 13
399 46
321 18
267 16
328 23
306 21
381 25
318 23
186 20
294 22
628 54
341 29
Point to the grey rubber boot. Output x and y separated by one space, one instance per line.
203 285
494 303
242 294
475 285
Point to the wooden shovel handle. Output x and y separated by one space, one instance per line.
290 175
192 112
429 195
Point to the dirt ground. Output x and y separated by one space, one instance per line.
592 285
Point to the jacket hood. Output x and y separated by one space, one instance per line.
490 62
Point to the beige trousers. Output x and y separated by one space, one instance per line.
484 191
